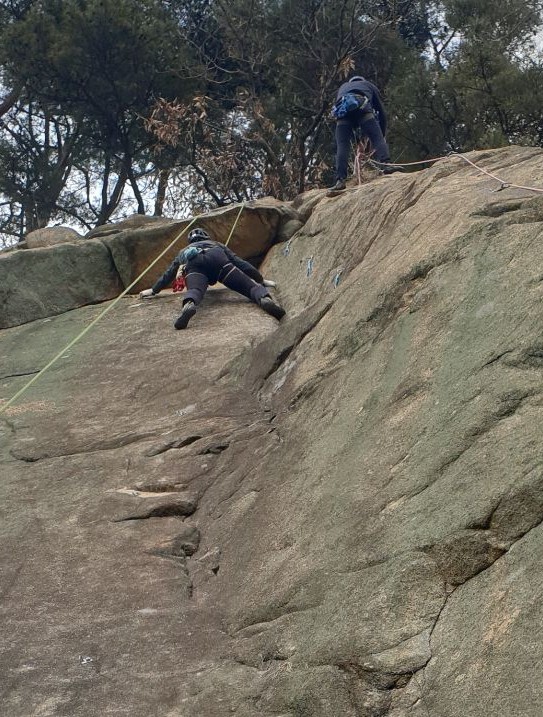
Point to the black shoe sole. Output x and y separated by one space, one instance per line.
271 308
185 316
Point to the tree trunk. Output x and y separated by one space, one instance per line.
163 177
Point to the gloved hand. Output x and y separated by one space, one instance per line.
147 294
269 282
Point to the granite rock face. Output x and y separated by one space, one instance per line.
112 257
42 282
334 516
51 236
133 249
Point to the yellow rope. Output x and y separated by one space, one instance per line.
19 393
242 207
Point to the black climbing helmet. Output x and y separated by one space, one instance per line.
198 235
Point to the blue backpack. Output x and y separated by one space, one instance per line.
348 103
189 253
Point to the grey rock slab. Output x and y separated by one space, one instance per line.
321 691
37 283
367 479
136 221
134 248
388 224
138 505
487 643
408 417
60 276
98 613
49 236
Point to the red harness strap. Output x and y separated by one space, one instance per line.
179 284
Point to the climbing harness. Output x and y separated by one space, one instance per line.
60 354
179 282
349 103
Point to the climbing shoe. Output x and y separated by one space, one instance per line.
189 309
271 308
339 186
391 169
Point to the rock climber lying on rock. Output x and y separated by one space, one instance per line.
204 262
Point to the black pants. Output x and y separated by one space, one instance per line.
366 125
213 266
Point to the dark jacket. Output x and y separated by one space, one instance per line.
170 273
364 87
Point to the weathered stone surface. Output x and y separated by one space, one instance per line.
487 644
91 532
139 505
134 249
288 230
135 221
78 276
36 283
367 477
50 236
305 203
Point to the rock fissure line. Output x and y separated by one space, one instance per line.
165 510
497 358
21 373
158 488
446 597
529 358
24 459
458 587
99 448
214 449
285 353
172 445
308 388
265 623
222 441
113 262
410 203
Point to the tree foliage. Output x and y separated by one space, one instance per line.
114 106
93 68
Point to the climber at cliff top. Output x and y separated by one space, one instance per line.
359 112
204 262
